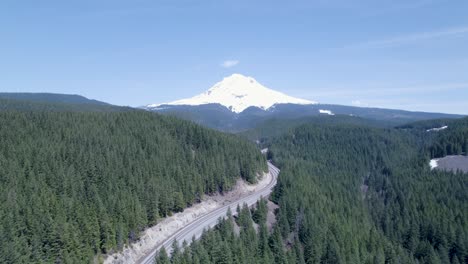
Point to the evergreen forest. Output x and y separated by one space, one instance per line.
75 185
350 193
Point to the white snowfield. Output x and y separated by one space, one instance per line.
434 163
194 220
437 129
238 92
327 112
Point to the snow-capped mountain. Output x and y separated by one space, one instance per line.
240 103
238 92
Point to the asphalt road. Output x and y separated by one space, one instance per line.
196 227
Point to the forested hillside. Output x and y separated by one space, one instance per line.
277 126
353 194
9 104
371 197
451 141
219 117
74 185
244 239
51 98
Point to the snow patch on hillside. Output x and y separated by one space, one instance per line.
437 129
327 112
434 163
238 92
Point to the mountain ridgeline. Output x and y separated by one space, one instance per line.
74 185
442 137
240 103
51 98
237 93
54 103
453 140
219 117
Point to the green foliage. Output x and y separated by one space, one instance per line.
225 245
163 257
366 195
356 194
221 118
276 127
451 141
33 104
74 184
260 214
51 98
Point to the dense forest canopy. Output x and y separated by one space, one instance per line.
51 98
278 126
219 117
373 194
349 193
30 104
77 182
74 185
451 141
441 137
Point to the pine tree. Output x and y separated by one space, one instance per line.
163 258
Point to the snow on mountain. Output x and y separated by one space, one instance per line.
437 129
328 112
238 92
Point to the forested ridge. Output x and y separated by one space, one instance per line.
374 197
352 194
452 141
278 126
51 98
23 104
74 185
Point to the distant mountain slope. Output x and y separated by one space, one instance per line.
240 103
54 102
442 137
219 117
51 98
237 93
426 125
210 115
451 141
276 126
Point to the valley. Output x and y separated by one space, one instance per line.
196 191
324 214
234 132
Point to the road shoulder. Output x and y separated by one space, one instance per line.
157 234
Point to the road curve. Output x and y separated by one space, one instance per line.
197 226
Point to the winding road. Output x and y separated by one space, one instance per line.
196 227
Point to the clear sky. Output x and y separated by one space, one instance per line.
407 54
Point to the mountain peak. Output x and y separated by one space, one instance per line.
238 92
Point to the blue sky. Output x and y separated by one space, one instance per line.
388 53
